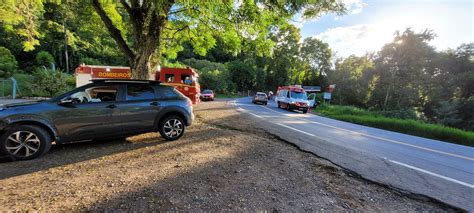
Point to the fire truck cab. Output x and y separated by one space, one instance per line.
184 80
292 97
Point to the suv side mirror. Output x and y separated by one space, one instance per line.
69 101
65 102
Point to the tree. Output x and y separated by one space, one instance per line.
317 56
166 24
352 76
8 63
21 17
242 74
405 61
284 63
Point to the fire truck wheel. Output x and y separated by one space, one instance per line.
172 127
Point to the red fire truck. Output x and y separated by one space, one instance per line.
184 79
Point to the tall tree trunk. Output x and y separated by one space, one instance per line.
147 23
387 95
140 65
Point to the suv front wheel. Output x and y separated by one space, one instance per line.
172 127
25 142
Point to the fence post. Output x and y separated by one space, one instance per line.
13 87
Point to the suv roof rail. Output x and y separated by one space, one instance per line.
126 81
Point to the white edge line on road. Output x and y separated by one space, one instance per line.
395 162
380 138
289 127
433 174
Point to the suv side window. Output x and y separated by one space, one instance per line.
140 92
95 94
166 93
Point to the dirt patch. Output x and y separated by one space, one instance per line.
224 162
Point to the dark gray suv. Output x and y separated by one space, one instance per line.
104 109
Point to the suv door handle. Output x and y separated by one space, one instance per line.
154 103
111 106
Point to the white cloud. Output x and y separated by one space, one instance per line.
352 6
356 39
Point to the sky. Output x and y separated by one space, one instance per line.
369 24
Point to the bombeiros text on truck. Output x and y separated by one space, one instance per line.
185 80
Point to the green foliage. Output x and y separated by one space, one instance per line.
44 58
352 77
24 85
317 55
8 63
50 83
407 126
242 74
405 61
212 75
21 17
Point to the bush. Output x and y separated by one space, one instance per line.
50 82
8 63
25 82
44 58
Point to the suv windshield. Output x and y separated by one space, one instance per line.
298 95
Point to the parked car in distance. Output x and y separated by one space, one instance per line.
291 98
260 97
103 109
207 95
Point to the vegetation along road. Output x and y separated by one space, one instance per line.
418 165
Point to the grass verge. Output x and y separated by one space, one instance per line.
228 96
407 126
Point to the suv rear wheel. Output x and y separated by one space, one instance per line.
25 142
172 127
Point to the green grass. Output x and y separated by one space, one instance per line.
228 96
407 126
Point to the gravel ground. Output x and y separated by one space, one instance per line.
224 162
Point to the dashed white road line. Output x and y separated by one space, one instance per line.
433 174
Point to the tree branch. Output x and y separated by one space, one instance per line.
126 6
114 32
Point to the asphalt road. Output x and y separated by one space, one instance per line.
416 165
